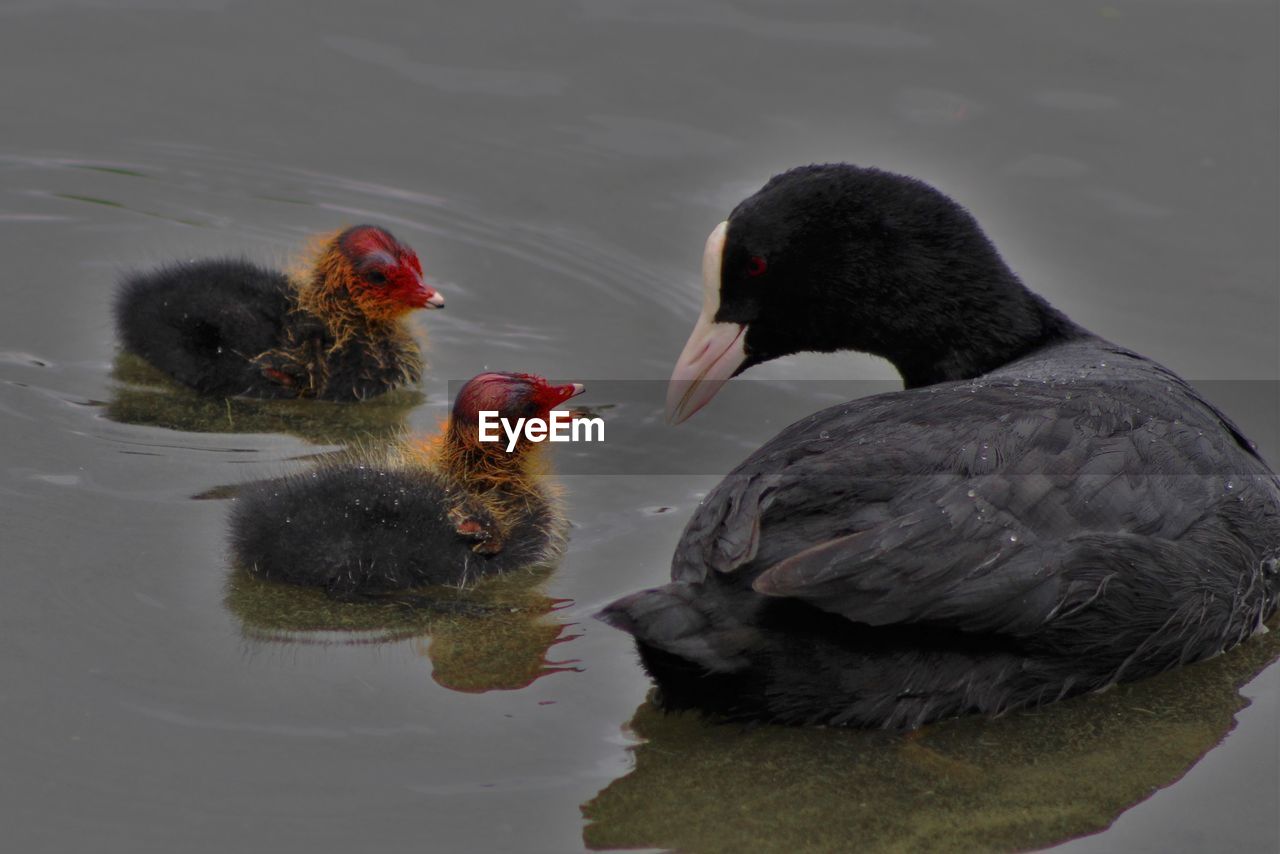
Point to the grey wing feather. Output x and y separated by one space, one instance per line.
1001 532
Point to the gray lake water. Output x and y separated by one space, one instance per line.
557 166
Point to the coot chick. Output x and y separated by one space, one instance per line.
1039 514
442 511
334 331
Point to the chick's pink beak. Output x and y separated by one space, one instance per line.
425 296
558 394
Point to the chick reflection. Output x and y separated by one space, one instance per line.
1026 780
499 637
145 396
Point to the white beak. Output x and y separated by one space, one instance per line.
714 350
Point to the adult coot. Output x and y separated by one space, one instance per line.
1040 513
444 511
334 331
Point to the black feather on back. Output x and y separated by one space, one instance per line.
373 528
203 322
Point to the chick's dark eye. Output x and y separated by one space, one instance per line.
756 266
375 277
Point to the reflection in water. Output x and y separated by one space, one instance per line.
1025 780
147 397
499 641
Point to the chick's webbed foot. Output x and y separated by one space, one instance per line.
287 372
473 523
281 372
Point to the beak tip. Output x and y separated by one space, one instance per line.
711 357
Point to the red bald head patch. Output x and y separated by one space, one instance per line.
387 274
511 396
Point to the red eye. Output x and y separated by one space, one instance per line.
756 266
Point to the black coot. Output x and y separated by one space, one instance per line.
333 331
1040 513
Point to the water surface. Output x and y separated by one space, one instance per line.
557 166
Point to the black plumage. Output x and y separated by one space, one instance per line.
371 527
1041 513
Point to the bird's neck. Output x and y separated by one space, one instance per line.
969 341
487 467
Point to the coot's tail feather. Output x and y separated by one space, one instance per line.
680 620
